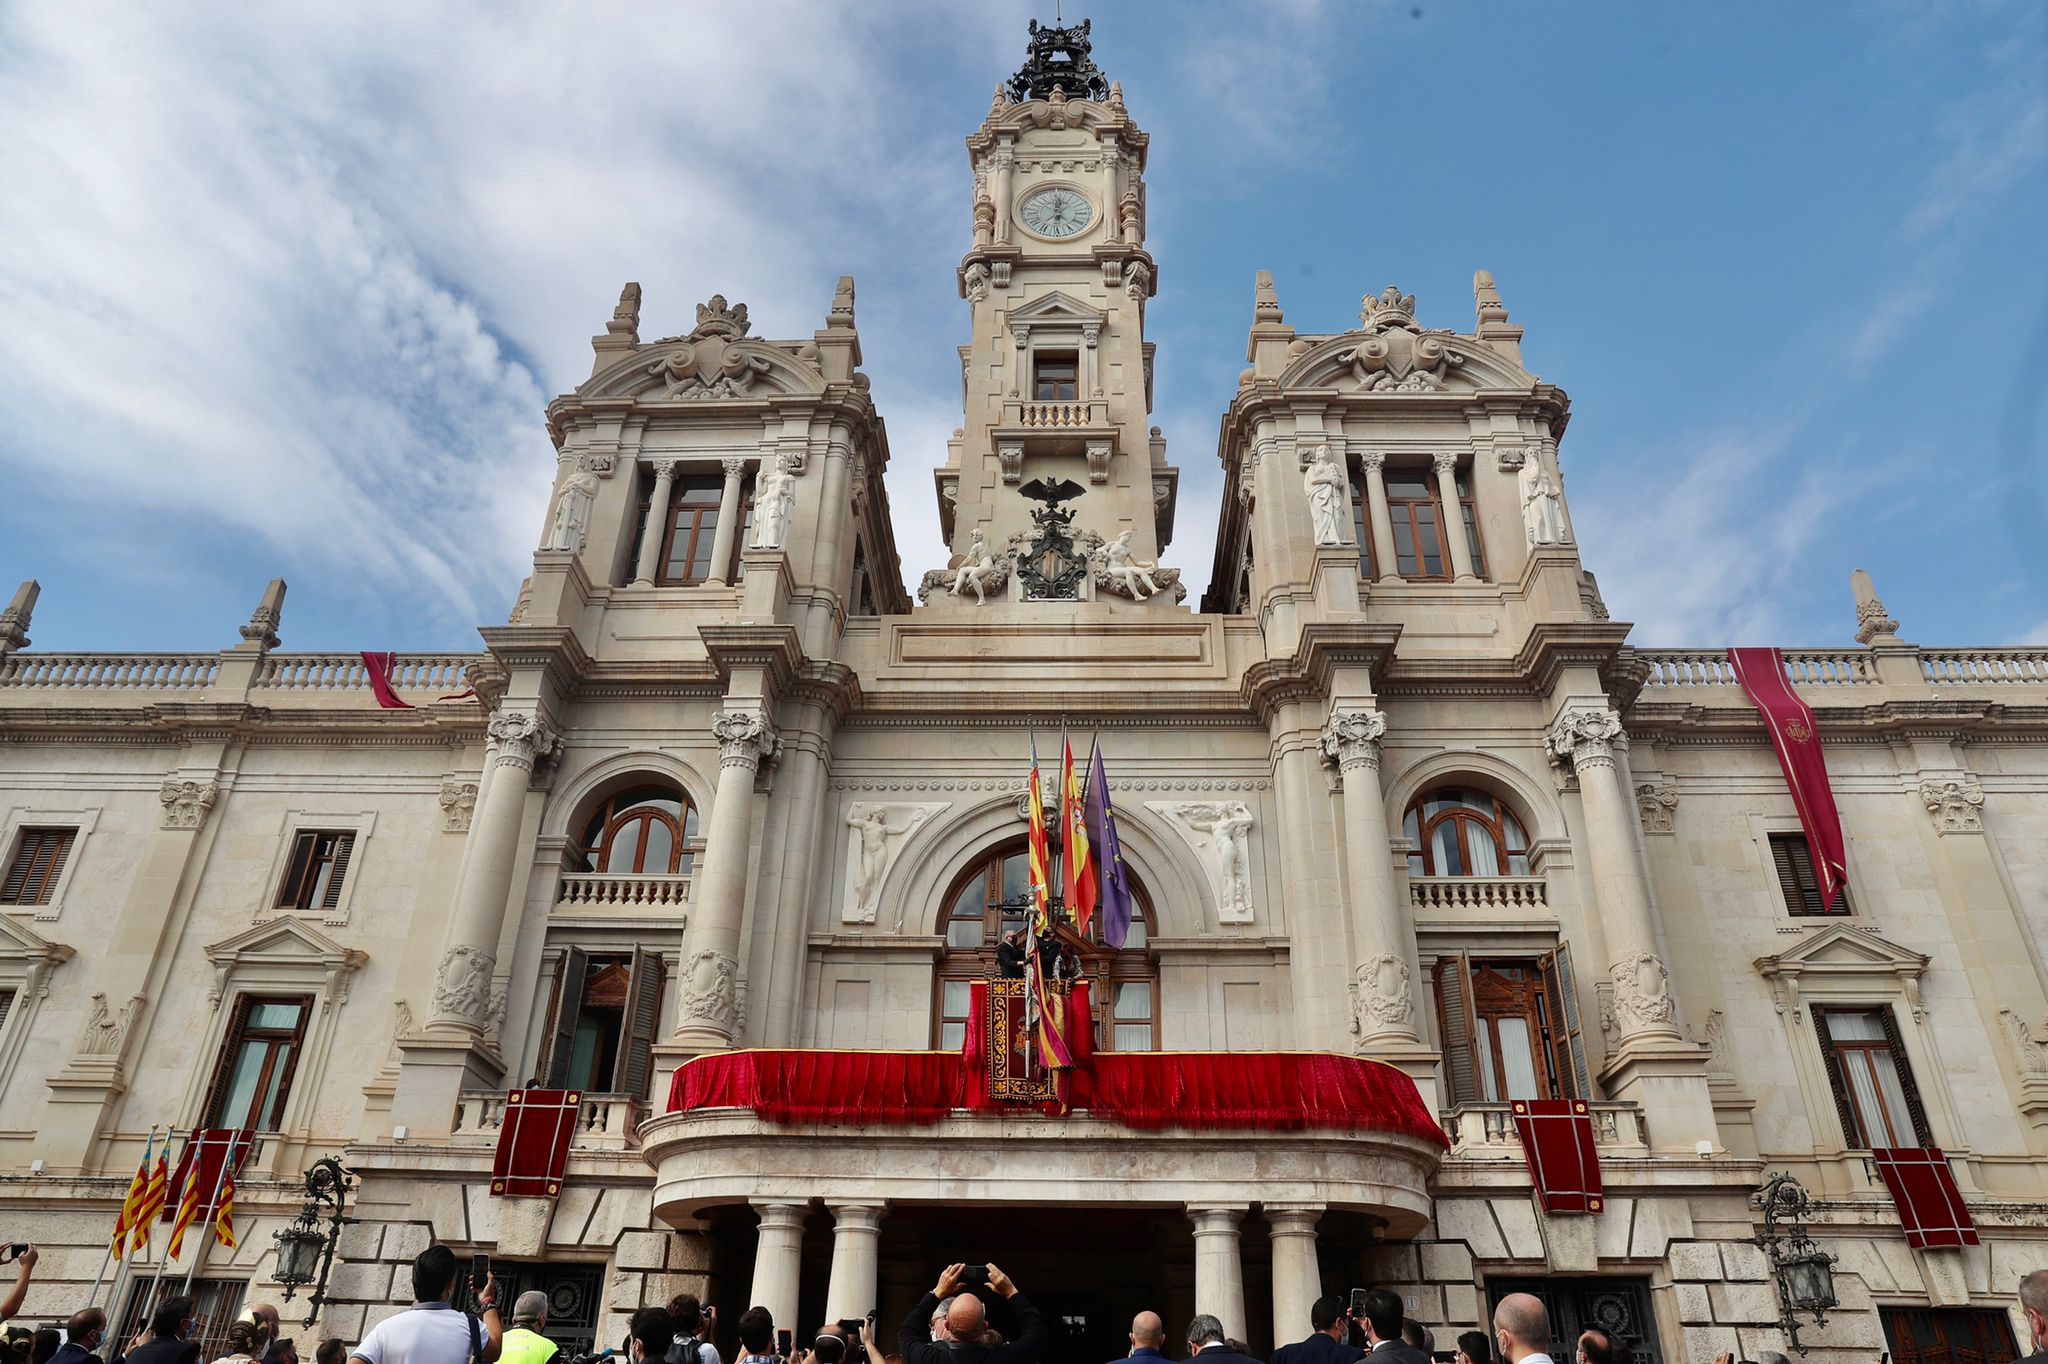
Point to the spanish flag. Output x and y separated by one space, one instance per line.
152 1198
224 1220
1041 860
1077 871
132 1204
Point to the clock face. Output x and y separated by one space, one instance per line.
1056 213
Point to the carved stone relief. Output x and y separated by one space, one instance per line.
105 1030
876 837
1642 992
1220 833
462 986
1955 804
2028 1050
187 802
1397 355
1657 802
744 738
1382 999
1352 739
710 990
458 805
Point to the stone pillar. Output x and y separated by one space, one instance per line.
1297 1277
1382 984
1219 1270
1587 735
462 987
779 1260
1386 565
726 533
711 951
856 1235
1455 543
656 529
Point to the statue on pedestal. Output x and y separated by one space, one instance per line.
1329 489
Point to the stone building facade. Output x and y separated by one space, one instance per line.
1384 791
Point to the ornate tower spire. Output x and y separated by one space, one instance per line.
1058 58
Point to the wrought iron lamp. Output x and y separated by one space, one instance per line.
1805 1272
305 1249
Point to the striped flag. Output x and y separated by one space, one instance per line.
124 1222
153 1195
1077 872
1041 861
224 1220
188 1212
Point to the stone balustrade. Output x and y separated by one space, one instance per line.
1053 414
1969 667
615 890
439 673
117 672
606 1122
1487 1131
1432 896
1710 668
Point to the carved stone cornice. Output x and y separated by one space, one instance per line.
1549 649
1305 675
776 650
554 649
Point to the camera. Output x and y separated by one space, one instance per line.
974 1276
856 1353
12 1252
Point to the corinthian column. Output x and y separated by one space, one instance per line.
652 533
1455 542
1382 994
462 989
1587 736
710 953
726 533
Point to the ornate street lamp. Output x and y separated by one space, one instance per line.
1806 1277
305 1250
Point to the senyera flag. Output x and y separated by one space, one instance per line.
1796 737
204 1168
1041 857
153 1195
131 1206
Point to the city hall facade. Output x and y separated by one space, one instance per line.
1394 788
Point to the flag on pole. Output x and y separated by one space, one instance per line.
153 1195
1077 873
1041 874
1115 891
124 1221
188 1212
224 1220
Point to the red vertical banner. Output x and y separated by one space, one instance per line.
533 1142
1923 1188
1557 1140
1796 738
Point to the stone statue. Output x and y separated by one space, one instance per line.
1542 506
1229 828
1127 570
975 569
1329 489
774 500
572 512
873 826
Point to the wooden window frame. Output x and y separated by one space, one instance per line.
1402 510
1040 361
1557 1045
238 1033
703 525
1462 815
1799 879
296 890
1961 1335
639 1022
27 886
1855 1134
1468 513
621 808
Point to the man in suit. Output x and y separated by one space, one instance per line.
1521 1329
966 1320
2034 1303
1207 1340
169 1326
1383 1331
1329 1340
1010 955
1148 1333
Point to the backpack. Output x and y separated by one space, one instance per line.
686 1350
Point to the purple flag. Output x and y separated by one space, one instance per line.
1109 854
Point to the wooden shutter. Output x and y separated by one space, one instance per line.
32 876
568 1008
1797 880
231 1044
643 1017
1914 1109
1567 1045
1852 1131
344 844
1454 1011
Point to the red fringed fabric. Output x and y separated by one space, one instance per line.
857 1087
1795 736
533 1142
975 1050
1557 1141
1931 1207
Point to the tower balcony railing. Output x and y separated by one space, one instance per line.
604 1122
1451 895
1969 667
345 672
622 890
1486 1131
110 672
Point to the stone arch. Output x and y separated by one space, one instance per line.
564 816
1534 803
1178 891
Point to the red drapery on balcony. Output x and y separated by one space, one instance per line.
1267 1090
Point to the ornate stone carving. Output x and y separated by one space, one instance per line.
571 518
626 316
744 738
1509 458
1711 1039
1382 999
975 571
1956 804
1351 739
522 738
975 277
14 621
106 1031
1397 355
1137 280
1872 620
458 805
1657 803
462 986
710 990
1056 60
1131 217
1119 571
878 835
1642 991
1542 506
186 802
1011 457
1221 833
263 621
1052 565
1329 497
774 500
2029 1051
1584 737
711 368
401 1028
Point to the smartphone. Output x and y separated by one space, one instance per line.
479 1271
1358 1302
783 1341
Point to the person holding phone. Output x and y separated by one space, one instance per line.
967 1319
1329 1337
24 1256
433 1332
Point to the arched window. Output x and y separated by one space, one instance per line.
1124 984
1461 831
648 830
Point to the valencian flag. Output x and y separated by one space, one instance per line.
1796 738
1115 891
124 1222
153 1195
224 1220
1077 874
1041 861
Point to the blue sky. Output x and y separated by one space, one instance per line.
283 291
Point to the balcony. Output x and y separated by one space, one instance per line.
1487 1132
607 1122
609 890
110 672
1478 896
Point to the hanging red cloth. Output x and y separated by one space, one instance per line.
1557 1141
1931 1207
533 1142
379 666
1796 738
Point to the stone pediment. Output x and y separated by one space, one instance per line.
1400 360
1840 950
1056 308
20 943
285 950
710 366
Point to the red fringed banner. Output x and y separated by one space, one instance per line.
201 1161
1283 1091
533 1142
1557 1140
1796 737
1931 1207
379 666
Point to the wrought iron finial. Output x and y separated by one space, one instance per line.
1059 56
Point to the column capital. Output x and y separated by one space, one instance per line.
736 466
1446 461
744 738
782 1216
856 1216
1586 736
1372 461
521 739
1217 1219
664 468
1293 1219
1351 739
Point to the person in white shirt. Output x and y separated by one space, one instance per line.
433 1332
1521 1328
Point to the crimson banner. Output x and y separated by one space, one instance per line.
1557 1140
379 666
1796 738
205 1153
1931 1207
533 1142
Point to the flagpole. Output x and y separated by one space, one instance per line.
210 1209
156 1284
121 1228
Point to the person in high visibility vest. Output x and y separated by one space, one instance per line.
524 1343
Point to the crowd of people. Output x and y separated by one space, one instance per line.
951 1324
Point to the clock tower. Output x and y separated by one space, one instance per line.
1056 379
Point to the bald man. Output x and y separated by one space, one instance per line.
2034 1306
1148 1334
1521 1329
966 1320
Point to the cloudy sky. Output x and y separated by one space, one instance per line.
284 289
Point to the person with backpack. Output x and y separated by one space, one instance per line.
433 1332
694 1323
